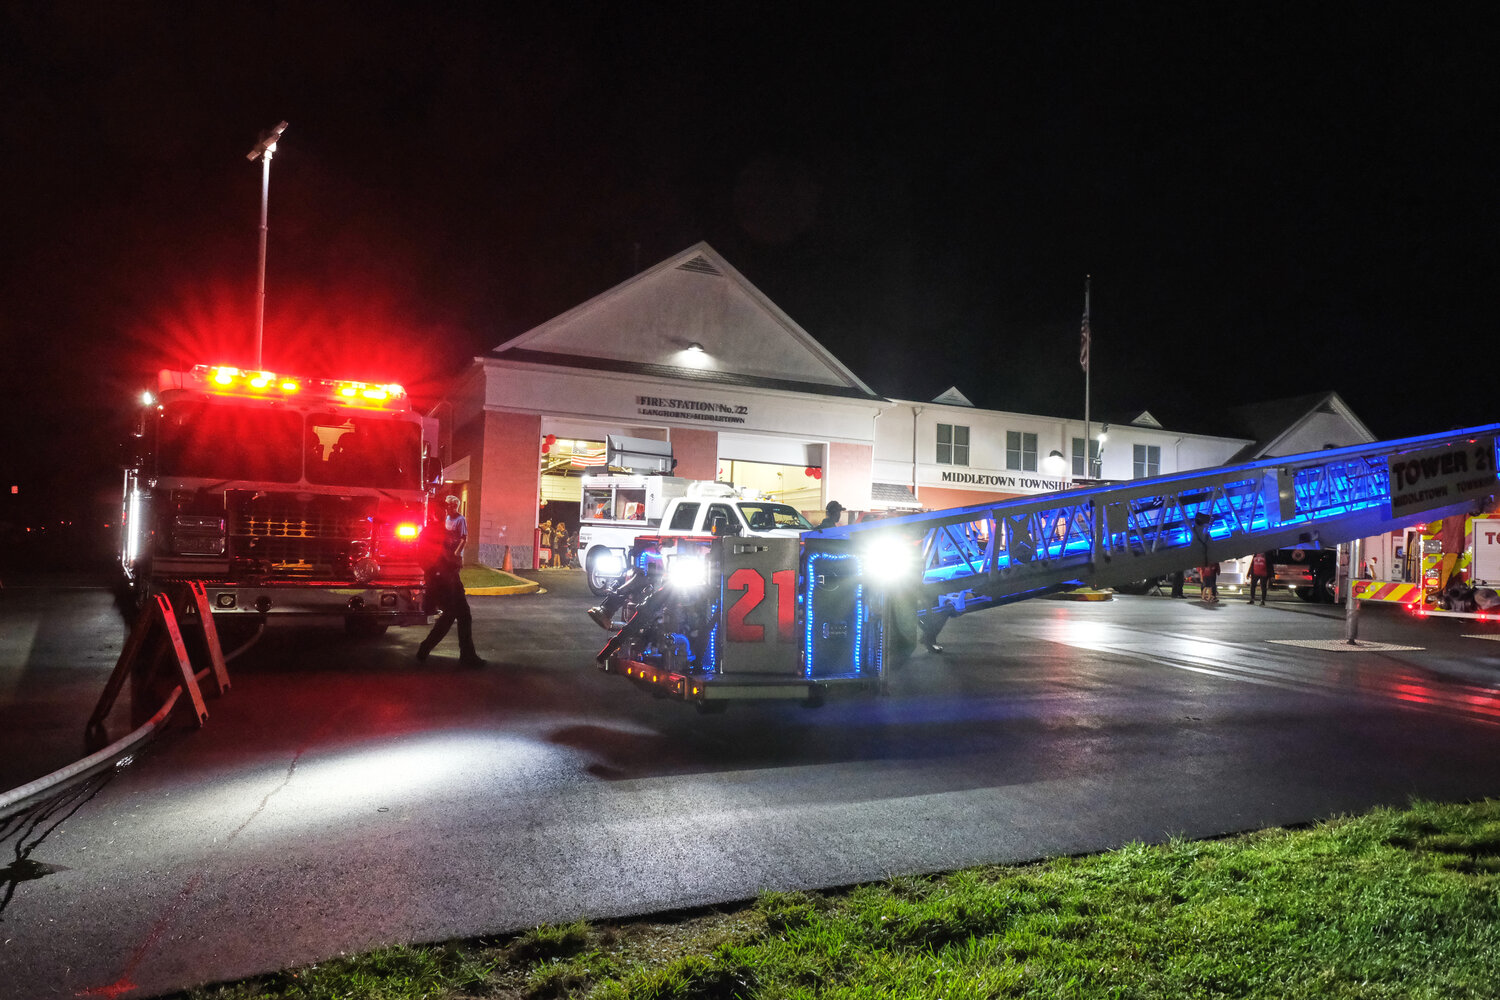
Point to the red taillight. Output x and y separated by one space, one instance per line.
406 532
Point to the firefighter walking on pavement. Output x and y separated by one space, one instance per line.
445 590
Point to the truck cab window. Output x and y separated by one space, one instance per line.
721 520
684 517
362 451
218 441
766 516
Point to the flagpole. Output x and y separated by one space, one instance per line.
1083 357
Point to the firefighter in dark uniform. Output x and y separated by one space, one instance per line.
445 591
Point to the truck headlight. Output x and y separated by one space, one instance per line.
890 560
608 563
686 572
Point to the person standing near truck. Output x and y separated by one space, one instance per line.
1260 573
1208 583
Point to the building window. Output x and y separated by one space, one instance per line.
1020 451
1147 461
1078 469
952 444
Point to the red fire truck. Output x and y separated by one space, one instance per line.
282 495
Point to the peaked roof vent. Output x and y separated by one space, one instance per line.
701 265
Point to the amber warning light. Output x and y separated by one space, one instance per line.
225 380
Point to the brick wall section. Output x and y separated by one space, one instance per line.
846 475
697 453
506 505
943 497
468 440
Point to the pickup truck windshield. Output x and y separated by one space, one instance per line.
768 516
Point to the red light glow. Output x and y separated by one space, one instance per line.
350 325
406 531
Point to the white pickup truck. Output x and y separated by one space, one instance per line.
705 509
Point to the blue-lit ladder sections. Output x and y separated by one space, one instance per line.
996 553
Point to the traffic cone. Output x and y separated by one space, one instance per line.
508 566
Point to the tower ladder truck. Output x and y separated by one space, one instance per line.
713 619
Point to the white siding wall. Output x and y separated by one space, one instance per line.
987 447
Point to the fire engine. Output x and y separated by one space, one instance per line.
282 495
1421 567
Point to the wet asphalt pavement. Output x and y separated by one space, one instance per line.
343 796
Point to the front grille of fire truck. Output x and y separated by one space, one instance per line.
287 537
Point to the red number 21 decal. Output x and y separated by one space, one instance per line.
753 590
754 587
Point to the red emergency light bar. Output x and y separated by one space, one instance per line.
224 380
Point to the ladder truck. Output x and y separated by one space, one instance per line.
713 620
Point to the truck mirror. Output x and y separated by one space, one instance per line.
432 468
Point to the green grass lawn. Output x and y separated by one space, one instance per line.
1392 904
483 576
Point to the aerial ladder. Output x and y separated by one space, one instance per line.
710 620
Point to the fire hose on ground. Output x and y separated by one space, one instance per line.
106 757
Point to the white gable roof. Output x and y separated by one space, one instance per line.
952 396
694 298
1328 424
1145 419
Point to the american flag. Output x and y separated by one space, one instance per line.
1083 348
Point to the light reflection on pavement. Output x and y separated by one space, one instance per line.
1369 673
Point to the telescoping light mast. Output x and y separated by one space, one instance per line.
263 150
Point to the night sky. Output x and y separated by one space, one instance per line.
1270 201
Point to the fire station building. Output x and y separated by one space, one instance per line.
690 354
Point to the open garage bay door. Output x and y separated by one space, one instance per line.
788 484
786 469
